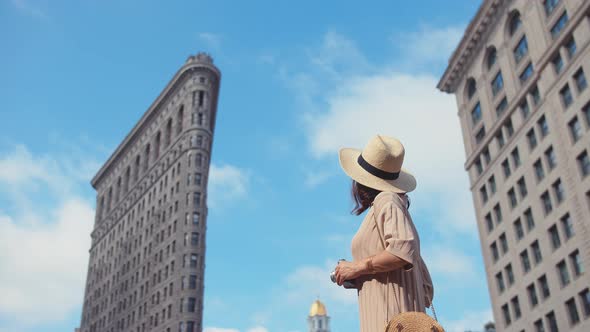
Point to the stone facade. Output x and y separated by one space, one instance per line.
147 256
519 77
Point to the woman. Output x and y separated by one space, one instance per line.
388 270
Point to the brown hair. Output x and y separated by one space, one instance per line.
363 197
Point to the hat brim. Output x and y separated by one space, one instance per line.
405 182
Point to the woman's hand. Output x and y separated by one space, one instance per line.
348 271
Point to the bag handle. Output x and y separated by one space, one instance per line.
384 247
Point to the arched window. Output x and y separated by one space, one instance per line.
514 23
146 158
471 88
127 176
491 57
157 145
101 207
199 160
168 133
109 198
137 165
179 119
118 191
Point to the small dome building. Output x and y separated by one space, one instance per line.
318 319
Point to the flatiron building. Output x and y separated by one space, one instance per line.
147 255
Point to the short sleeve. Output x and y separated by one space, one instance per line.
398 233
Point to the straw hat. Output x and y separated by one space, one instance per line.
379 165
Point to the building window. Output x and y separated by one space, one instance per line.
571 47
532 292
509 128
506 168
471 88
522 187
486 156
198 178
500 139
521 49
559 25
502 106
536 252
551 158
516 307
539 172
576 261
572 311
196 199
476 114
525 261
500 282
191 304
532 139
557 63
498 213
494 249
566 96
552 322
564 276
585 299
491 58
567 226
489 222
492 184
478 166
546 201
192 282
544 285
575 129
484 194
506 313
503 243
526 73
584 163
512 198
580 79
550 6
509 274
525 110
518 230
558 190
586 111
515 158
194 239
193 263
481 134
497 83
190 326
514 24
554 237
543 126
539 326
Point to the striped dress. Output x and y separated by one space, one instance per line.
383 295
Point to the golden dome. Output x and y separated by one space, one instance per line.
317 309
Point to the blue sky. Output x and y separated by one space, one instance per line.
300 79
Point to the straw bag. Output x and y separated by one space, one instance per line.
411 321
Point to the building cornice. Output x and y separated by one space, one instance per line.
200 61
469 45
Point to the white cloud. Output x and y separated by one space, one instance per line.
219 329
227 183
471 321
429 44
450 263
45 229
45 261
258 329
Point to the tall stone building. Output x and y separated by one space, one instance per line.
147 256
519 75
318 319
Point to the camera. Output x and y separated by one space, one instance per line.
346 283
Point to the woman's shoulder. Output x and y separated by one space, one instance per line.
386 198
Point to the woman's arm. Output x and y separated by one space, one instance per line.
382 262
